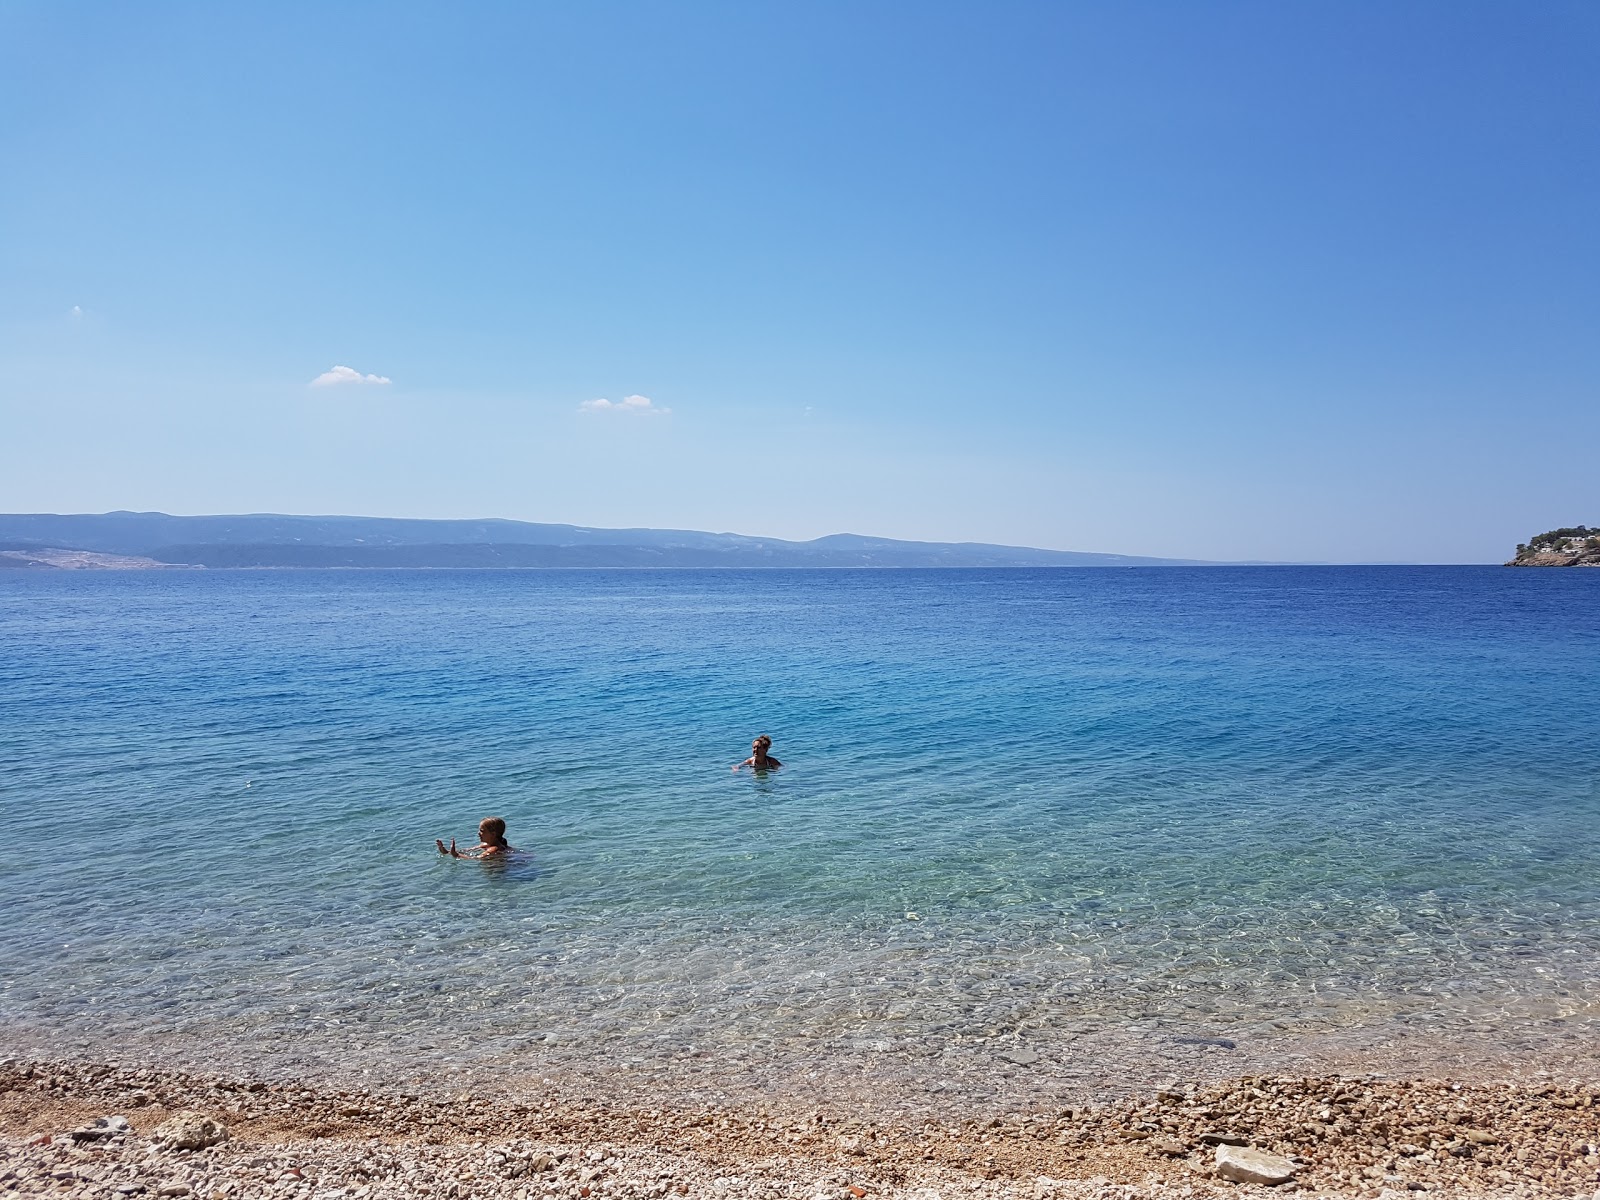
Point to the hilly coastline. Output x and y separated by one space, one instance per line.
1573 546
129 540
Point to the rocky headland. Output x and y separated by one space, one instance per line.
1575 546
106 1130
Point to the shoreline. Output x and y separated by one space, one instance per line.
1349 1136
915 1075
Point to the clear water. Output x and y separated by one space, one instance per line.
1045 809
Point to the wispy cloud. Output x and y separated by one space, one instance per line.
628 404
76 312
340 375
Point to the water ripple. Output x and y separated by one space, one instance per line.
1017 803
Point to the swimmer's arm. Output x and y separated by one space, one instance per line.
475 852
749 762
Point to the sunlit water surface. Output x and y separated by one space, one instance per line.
1021 810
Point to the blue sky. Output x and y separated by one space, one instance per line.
1230 280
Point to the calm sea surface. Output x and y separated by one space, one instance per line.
1020 811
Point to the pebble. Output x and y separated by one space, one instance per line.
1022 1057
190 1130
1242 1164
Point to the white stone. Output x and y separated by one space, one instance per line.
1242 1164
190 1131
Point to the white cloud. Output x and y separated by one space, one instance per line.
346 375
77 313
628 404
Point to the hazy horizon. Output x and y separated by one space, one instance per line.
756 535
1255 283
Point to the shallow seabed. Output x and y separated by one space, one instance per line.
1337 816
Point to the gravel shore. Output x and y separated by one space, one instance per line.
1345 1137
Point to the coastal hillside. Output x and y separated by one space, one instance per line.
124 540
1574 546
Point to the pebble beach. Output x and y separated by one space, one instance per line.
104 1130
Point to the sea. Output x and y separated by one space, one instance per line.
1038 834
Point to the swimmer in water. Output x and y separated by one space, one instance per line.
491 841
759 759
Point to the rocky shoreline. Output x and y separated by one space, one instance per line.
106 1130
1549 558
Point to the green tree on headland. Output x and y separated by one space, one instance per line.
1551 537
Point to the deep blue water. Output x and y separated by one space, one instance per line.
1014 803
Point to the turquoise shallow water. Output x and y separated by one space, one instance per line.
1020 808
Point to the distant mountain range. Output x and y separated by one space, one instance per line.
129 539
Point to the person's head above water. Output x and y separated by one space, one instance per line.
492 831
759 758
